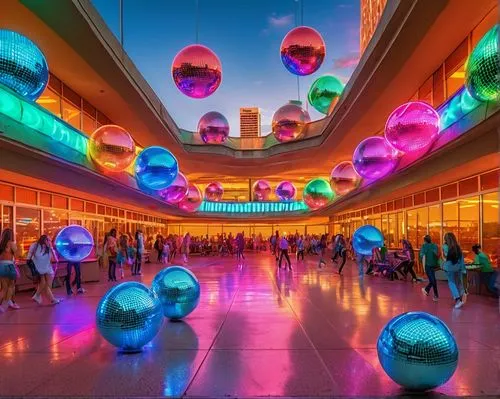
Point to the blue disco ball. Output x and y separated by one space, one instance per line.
178 290
23 67
156 168
74 243
366 238
129 316
418 351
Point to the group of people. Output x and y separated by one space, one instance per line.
121 251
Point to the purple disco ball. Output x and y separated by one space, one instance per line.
213 128
192 200
174 193
412 126
344 178
289 122
197 71
286 191
261 190
214 191
374 158
302 50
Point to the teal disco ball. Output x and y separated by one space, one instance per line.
23 67
325 93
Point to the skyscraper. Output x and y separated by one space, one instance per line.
249 122
371 11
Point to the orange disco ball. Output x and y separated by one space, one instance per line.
112 148
289 122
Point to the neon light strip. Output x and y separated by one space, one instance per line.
252 207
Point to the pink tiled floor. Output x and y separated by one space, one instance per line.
255 333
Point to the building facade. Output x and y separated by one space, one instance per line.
250 123
371 11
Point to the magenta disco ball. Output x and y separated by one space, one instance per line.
261 190
213 128
374 158
303 50
174 193
344 178
197 71
192 200
214 191
289 122
412 126
286 191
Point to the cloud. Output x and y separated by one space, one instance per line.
346 61
276 21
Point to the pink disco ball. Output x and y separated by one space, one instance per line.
214 191
213 128
112 148
193 199
302 50
197 71
412 126
174 193
261 190
344 178
374 158
289 122
286 191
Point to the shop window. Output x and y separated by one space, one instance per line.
489 181
45 199
455 80
419 199
450 218
468 186
391 237
449 191
411 227
59 202
422 222
25 196
385 228
53 221
485 25
432 195
438 95
6 192
491 231
435 224
88 124
455 68
8 217
51 101
27 228
121 213
468 224
71 114
401 228
425 91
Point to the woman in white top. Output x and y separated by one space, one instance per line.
42 253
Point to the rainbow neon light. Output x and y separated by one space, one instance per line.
252 207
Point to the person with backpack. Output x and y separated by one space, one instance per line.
454 266
429 257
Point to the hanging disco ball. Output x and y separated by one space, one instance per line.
289 122
213 128
192 200
418 351
174 193
112 148
325 93
344 178
178 290
74 243
374 158
156 168
482 70
197 71
365 238
285 191
302 50
413 126
23 67
261 190
214 191
317 193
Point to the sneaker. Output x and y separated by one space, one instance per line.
425 292
13 305
56 301
81 291
435 298
459 304
37 298
464 298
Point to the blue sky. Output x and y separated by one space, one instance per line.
246 35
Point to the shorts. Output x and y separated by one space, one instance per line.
8 270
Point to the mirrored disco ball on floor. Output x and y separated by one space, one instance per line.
261 190
174 193
178 290
413 126
418 351
289 122
112 148
156 168
129 316
213 128
344 178
302 50
192 200
365 238
317 193
214 191
197 71
374 158
23 67
285 191
74 243
325 93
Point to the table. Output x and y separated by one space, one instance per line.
473 277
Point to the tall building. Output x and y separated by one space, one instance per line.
249 122
371 11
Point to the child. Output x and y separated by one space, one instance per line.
166 252
122 255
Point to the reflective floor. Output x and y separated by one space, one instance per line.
255 333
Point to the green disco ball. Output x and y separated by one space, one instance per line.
482 71
324 92
317 193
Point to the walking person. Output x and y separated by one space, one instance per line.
340 250
166 253
158 246
186 244
454 266
300 247
111 250
322 250
284 245
8 274
429 257
77 281
122 254
139 251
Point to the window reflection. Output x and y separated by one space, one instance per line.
27 228
53 221
435 224
71 114
491 234
455 81
422 221
450 217
7 217
51 101
469 224
411 230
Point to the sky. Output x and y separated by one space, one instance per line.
246 35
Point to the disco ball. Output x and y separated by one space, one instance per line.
365 238
178 290
214 191
288 122
374 158
174 193
302 50
156 168
344 178
129 316
317 193
261 190
325 93
192 200
418 351
112 148
213 128
74 243
412 126
23 67
197 71
482 70
286 191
